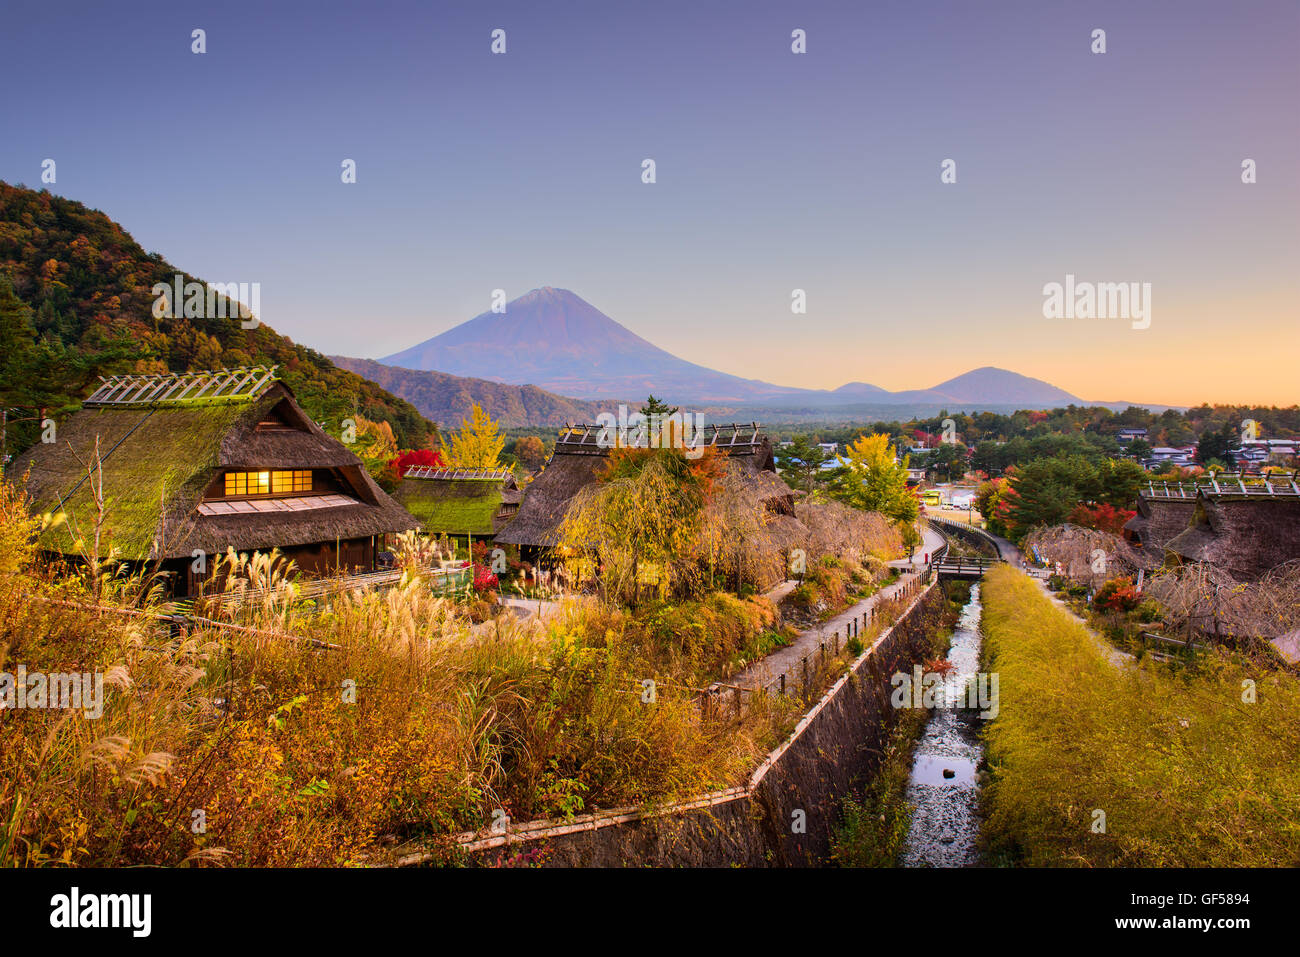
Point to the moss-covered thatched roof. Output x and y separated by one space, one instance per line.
459 506
157 462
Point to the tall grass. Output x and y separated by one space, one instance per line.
219 745
1186 768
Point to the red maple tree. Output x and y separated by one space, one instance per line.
423 457
1106 518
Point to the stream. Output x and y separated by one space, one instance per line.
943 788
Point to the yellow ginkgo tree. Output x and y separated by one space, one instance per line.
477 445
874 480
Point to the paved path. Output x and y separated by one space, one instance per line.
932 541
532 612
528 607
1288 646
775 595
788 660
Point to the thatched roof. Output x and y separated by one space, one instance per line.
547 498
158 458
832 528
1158 520
1245 535
577 460
458 501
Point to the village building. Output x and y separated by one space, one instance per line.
1246 530
1243 530
579 455
1182 455
193 464
1257 453
1125 436
460 503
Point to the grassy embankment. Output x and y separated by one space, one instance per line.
1195 766
833 584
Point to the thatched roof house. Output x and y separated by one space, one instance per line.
455 501
196 463
579 455
1242 529
1245 531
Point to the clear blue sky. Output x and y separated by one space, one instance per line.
775 171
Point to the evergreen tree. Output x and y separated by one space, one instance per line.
34 374
654 406
801 463
1218 445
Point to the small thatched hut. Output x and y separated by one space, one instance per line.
193 464
1089 555
578 456
460 502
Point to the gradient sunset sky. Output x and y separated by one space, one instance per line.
775 171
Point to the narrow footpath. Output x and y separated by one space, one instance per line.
788 661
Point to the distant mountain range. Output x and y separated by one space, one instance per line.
553 341
985 386
447 398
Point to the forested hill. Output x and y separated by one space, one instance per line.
89 287
448 398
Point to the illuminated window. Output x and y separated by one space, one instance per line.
268 483
296 481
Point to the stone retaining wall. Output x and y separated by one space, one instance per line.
835 746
